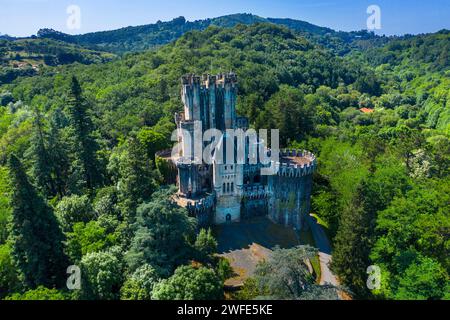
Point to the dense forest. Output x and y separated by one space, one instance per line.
77 146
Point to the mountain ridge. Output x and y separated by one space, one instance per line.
143 37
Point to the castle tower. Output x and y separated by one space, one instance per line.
290 189
228 183
211 100
191 97
211 92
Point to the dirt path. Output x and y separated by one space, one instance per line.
324 247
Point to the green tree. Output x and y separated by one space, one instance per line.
84 146
417 223
286 276
41 167
250 106
5 205
423 280
190 283
73 209
87 238
206 245
9 280
404 141
352 249
440 146
163 230
224 269
101 276
36 235
287 111
135 175
59 154
251 290
40 293
140 285
152 141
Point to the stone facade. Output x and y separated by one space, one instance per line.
219 192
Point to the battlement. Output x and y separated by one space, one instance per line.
187 162
190 79
204 203
296 163
208 80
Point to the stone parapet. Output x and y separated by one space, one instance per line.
296 163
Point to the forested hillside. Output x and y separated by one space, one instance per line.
25 57
139 38
78 142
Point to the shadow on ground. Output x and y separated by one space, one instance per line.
259 231
247 243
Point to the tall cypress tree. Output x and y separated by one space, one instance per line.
352 246
59 153
36 236
138 179
84 145
40 157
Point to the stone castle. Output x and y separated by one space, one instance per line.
223 192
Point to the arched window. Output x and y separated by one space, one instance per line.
228 187
232 187
223 189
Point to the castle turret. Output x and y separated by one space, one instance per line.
211 100
290 188
228 83
190 95
212 87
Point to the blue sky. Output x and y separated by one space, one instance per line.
25 17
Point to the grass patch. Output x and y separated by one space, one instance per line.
306 238
325 227
320 221
315 263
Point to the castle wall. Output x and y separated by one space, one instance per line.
289 201
254 208
290 189
203 210
189 180
228 209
